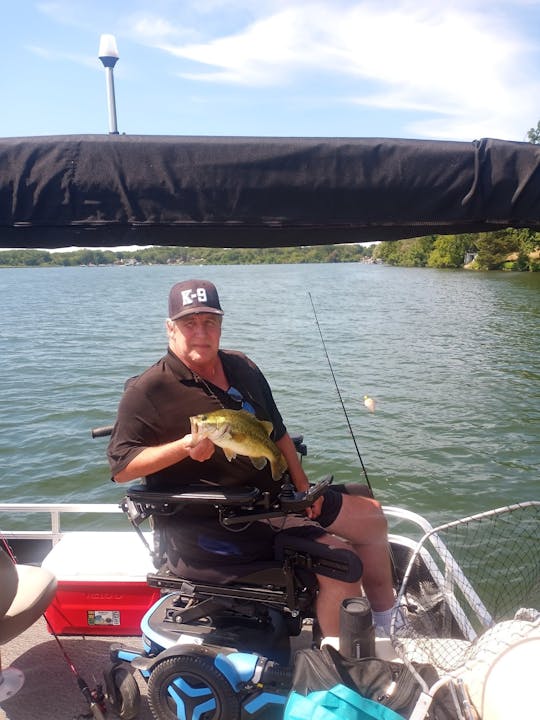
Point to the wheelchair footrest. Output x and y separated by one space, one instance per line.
193 589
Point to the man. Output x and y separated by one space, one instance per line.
152 439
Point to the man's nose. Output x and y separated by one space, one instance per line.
200 329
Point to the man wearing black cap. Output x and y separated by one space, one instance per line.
152 439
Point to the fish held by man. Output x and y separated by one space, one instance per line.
238 432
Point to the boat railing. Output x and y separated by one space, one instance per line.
417 525
443 568
54 511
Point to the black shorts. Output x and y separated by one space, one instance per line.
333 500
202 549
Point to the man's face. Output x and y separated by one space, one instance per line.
195 338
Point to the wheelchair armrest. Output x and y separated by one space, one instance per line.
194 495
236 505
293 501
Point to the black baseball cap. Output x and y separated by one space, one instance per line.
193 296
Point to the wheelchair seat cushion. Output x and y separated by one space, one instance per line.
204 551
201 549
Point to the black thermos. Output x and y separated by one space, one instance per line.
356 629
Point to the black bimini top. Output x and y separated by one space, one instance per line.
95 190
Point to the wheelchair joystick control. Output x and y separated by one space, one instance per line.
287 489
357 631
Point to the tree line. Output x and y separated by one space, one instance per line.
187 255
504 249
510 249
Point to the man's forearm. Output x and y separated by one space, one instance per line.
296 471
153 459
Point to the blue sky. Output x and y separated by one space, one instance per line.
456 70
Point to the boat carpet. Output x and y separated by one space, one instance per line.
50 690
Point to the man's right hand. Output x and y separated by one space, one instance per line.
155 458
199 450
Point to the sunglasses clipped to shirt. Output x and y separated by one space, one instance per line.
237 396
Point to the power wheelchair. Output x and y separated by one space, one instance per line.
223 652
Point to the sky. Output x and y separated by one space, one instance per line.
454 70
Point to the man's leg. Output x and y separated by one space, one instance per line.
332 592
361 521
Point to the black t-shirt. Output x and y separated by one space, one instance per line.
156 407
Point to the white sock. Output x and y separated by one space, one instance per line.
333 641
383 618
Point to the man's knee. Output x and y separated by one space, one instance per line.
363 507
376 509
376 515
361 513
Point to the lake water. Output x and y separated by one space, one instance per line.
451 358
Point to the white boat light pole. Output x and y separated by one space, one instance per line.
108 54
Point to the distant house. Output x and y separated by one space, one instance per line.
469 257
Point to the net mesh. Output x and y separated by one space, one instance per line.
463 579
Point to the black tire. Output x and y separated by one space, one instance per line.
123 693
192 681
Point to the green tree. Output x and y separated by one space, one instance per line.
528 240
449 251
494 248
388 252
407 253
534 134
416 251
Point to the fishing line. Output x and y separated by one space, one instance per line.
390 551
339 395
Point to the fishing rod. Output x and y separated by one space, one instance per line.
339 395
94 698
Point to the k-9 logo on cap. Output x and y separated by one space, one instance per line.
188 296
193 296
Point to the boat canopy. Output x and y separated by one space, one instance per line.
109 190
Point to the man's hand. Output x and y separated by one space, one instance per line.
199 450
314 511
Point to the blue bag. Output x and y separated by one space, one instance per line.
338 703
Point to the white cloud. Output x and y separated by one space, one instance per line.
153 29
263 53
56 56
463 64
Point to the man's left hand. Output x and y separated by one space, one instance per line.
315 510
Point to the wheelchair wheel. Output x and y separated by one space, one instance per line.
190 687
123 692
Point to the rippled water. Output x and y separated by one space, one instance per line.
450 357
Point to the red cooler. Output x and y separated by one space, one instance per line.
102 586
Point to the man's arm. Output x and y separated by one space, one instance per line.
296 471
152 459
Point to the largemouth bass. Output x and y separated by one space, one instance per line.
238 432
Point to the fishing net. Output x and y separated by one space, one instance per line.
464 580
